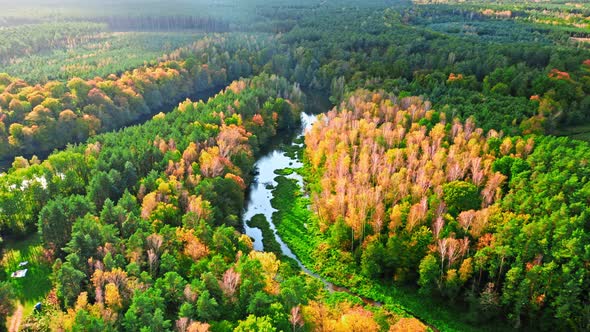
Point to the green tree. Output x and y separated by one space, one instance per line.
88 234
207 307
172 287
461 196
255 324
86 322
429 274
146 312
69 283
57 217
372 259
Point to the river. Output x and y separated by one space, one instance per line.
260 192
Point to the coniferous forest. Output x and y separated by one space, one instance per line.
195 165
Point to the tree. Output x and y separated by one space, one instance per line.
146 312
295 318
372 259
207 307
429 274
69 283
259 304
88 234
172 286
85 321
100 188
255 324
408 324
57 217
461 196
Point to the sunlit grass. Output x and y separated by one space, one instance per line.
36 284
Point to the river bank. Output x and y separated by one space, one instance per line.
279 207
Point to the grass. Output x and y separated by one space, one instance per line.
284 171
295 150
291 216
36 284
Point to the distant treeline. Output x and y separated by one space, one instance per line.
162 23
12 21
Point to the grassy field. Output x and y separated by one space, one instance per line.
36 284
268 238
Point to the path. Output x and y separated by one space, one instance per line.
16 319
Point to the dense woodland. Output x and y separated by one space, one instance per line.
468 215
434 189
42 117
517 86
109 53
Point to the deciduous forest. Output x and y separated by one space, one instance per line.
294 166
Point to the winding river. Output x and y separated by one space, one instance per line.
260 191
260 194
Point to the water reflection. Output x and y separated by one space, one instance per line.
260 192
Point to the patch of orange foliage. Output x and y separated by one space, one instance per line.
408 325
559 75
453 77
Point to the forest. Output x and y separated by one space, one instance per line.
433 171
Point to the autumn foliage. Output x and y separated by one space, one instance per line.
35 118
419 198
386 167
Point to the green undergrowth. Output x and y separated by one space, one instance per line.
295 150
298 227
268 238
285 171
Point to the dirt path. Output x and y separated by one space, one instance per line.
16 319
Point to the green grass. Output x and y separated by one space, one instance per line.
291 216
293 151
36 284
284 171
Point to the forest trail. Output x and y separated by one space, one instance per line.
16 319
